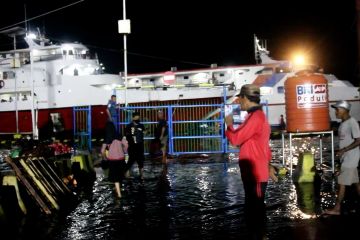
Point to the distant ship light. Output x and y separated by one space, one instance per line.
264 91
67 47
31 36
200 78
107 88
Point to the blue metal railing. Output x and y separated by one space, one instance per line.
82 127
196 134
188 132
150 122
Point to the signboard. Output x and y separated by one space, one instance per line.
169 78
311 95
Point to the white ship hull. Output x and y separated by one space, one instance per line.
63 81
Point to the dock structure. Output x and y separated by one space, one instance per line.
38 177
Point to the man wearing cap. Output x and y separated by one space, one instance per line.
253 137
349 153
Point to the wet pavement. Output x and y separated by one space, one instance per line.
192 199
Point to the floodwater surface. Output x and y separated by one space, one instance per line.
200 198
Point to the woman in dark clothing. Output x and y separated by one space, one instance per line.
114 150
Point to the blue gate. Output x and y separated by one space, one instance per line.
190 131
82 127
148 117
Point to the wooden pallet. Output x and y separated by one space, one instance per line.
31 190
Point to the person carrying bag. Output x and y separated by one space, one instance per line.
115 156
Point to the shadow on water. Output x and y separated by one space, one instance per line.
194 199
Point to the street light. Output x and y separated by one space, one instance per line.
124 28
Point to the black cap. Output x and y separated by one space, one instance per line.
249 90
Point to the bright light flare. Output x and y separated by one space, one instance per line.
299 59
31 36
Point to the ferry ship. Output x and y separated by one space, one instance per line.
67 75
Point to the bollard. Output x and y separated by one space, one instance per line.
305 171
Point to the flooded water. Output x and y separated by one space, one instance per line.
192 199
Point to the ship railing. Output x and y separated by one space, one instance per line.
152 86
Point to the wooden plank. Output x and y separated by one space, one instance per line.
38 174
41 167
50 174
50 171
28 186
39 184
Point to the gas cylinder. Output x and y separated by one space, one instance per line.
307 103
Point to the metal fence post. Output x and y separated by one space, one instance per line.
222 124
89 128
170 130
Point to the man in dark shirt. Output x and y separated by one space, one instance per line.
111 111
161 134
134 133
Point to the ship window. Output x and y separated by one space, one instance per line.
265 71
8 75
222 74
186 77
71 52
242 71
64 52
280 89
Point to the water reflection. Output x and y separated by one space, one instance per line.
308 199
181 202
187 199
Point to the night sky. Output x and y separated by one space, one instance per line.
195 33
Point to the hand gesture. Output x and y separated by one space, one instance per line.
229 120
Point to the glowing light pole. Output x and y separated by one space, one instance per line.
124 28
